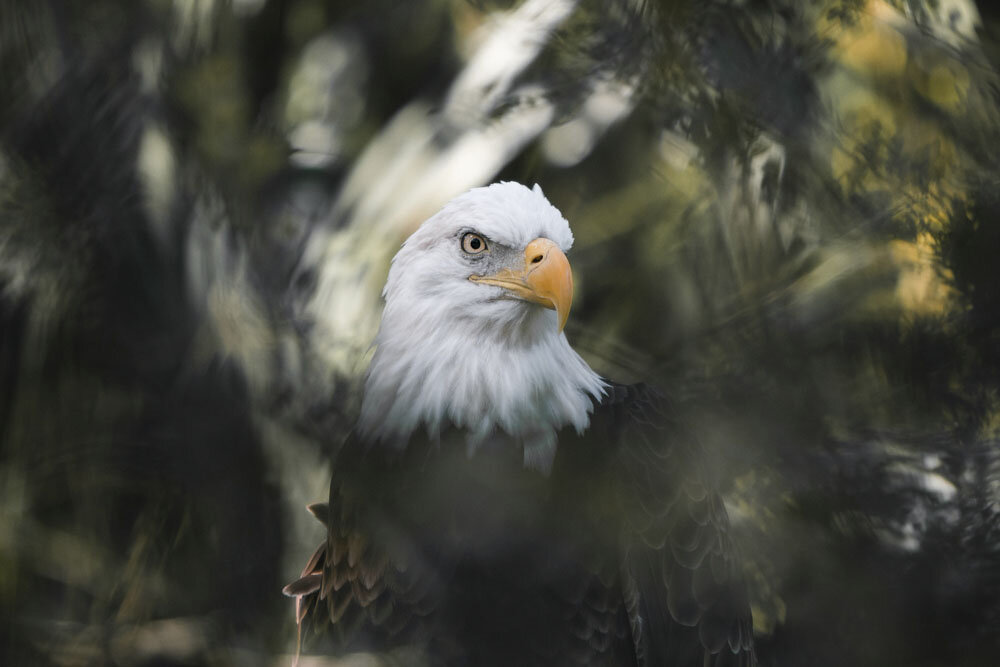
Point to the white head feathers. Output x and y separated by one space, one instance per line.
453 352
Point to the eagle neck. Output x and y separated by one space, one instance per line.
511 379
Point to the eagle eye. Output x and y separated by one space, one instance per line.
474 244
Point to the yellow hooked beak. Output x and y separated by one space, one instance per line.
546 278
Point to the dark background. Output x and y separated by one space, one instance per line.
786 215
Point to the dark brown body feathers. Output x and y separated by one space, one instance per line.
621 556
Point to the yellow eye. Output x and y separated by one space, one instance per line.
473 244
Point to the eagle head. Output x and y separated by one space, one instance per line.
471 335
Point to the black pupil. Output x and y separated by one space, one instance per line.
474 244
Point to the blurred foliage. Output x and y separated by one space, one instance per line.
785 214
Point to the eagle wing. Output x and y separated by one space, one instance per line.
376 590
680 574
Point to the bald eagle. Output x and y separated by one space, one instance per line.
498 502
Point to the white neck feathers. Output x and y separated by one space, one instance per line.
487 377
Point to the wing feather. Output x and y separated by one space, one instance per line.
373 594
681 581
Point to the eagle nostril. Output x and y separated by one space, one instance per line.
537 259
